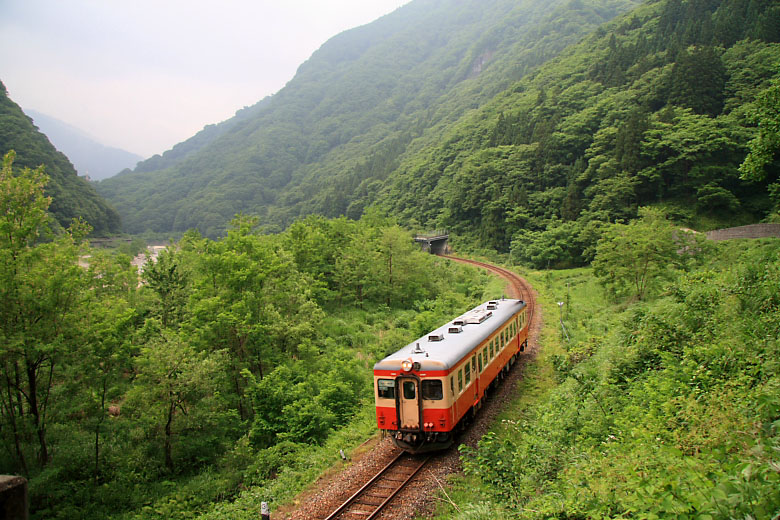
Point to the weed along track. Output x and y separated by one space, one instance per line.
388 483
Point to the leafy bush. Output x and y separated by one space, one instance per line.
676 415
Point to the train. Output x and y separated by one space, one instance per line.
426 391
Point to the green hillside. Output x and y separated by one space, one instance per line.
666 408
327 141
654 108
73 196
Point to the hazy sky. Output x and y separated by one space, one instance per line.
144 75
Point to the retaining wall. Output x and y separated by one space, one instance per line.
751 231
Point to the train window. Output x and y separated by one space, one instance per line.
452 385
479 359
485 356
385 388
460 381
474 363
467 370
410 390
492 343
431 389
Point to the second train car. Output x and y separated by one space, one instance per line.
425 390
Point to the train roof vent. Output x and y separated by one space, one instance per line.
436 337
455 329
491 307
476 317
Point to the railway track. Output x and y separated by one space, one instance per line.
518 287
369 500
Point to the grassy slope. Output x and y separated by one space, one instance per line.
668 409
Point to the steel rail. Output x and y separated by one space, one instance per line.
519 284
401 457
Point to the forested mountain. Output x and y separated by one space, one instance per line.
328 141
73 196
443 115
654 108
88 156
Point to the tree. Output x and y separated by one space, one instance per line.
106 325
23 213
176 392
633 257
165 276
697 81
765 145
41 287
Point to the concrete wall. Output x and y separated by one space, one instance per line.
437 245
751 231
13 498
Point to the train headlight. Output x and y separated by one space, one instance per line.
407 365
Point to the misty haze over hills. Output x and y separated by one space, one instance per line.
89 156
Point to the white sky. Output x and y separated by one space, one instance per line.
143 75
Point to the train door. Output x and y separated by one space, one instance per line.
408 403
477 393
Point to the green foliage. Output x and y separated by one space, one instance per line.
72 196
483 124
329 141
632 258
764 146
557 246
495 133
673 414
223 365
42 289
164 276
651 109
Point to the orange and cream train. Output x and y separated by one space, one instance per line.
425 391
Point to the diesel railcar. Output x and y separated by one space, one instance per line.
426 390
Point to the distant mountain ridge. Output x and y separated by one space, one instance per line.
352 109
532 122
89 157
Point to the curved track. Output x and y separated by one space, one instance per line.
368 501
518 287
